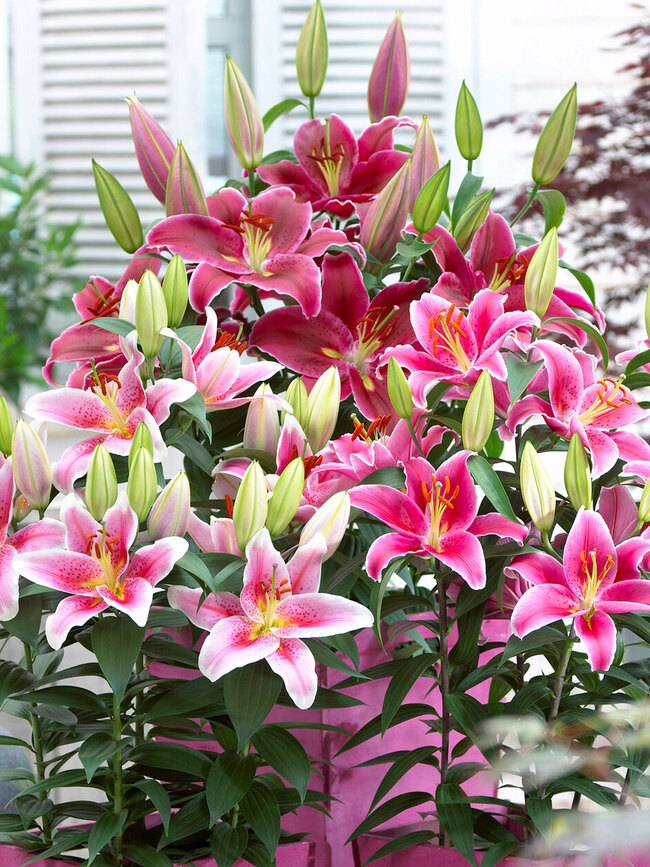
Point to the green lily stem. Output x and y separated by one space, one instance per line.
117 778
37 743
254 298
414 438
531 199
139 724
561 674
251 182
443 684
312 101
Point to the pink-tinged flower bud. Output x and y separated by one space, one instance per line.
141 440
331 521
430 202
389 79
170 514
127 301
286 496
555 140
184 188
150 314
425 159
537 489
298 399
251 505
153 148
472 219
541 274
323 408
31 465
478 417
399 391
383 223
644 503
142 485
175 290
468 125
577 475
6 427
120 213
312 52
262 427
243 119
101 483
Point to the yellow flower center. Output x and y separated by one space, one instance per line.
440 498
445 331
592 579
272 593
611 395
329 160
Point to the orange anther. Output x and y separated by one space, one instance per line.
229 505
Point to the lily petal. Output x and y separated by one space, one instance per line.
8 583
588 534
70 612
313 615
154 562
463 553
541 605
205 614
233 643
133 597
295 664
598 638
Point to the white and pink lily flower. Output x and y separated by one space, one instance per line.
597 578
111 407
279 605
95 568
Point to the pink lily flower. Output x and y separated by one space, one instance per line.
435 518
619 510
335 170
279 605
95 567
458 346
112 407
351 332
579 404
264 242
34 537
596 579
215 367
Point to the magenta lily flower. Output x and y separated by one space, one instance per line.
112 407
95 568
264 242
335 170
578 404
596 579
435 518
34 537
279 605
350 332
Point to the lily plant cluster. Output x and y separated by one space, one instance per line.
322 399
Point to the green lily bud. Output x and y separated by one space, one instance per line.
647 312
142 485
31 466
184 194
141 440
175 290
251 505
472 219
323 408
577 475
170 514
478 417
127 301
468 125
312 52
243 119
537 489
644 504
399 391
120 213
285 498
298 399
541 274
554 143
101 483
383 222
150 314
430 202
6 427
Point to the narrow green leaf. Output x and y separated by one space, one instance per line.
632 365
65 842
116 642
103 831
279 109
455 815
227 844
193 564
261 811
191 818
172 757
95 750
114 325
229 779
391 476
541 812
488 481
404 841
159 798
198 697
325 656
589 330
286 755
197 453
250 694
146 856
195 406
397 770
13 679
498 851
520 373
26 624
410 670
469 187
391 808
554 205
372 728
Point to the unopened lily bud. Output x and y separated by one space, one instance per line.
472 219
644 504
170 514
331 521
577 475
120 213
399 391
142 485
153 148
184 188
537 489
425 160
298 399
312 52
541 274
478 417
389 79
243 119
101 483
141 440
262 427
431 199
554 143
323 408
31 465
150 314
647 312
6 427
127 301
383 222
251 505
468 125
175 290
286 496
